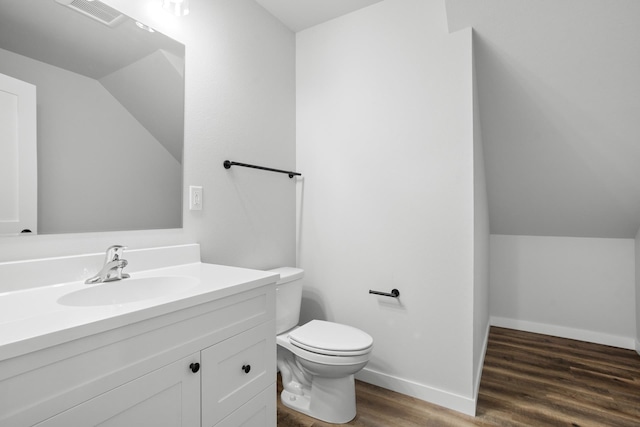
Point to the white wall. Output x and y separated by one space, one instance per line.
240 104
481 244
385 142
579 288
637 250
244 64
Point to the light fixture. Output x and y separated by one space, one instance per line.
145 27
176 7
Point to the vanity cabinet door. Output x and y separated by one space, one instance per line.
236 370
258 412
167 397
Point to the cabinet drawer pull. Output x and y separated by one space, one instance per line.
246 368
195 367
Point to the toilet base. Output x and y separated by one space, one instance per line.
332 400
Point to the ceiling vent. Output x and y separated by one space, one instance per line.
95 10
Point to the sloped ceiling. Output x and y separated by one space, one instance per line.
131 63
559 93
37 29
159 111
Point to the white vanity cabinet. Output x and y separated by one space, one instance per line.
145 374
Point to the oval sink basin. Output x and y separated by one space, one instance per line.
128 290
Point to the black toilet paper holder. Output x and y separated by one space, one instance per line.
393 294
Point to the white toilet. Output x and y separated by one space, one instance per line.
317 360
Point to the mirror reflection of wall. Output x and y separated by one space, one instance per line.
110 116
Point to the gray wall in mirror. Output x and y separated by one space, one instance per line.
110 117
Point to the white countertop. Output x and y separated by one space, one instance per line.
32 319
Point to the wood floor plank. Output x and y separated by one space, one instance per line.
527 380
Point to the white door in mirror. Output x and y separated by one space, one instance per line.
195 198
18 163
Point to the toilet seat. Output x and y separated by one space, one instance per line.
332 360
331 339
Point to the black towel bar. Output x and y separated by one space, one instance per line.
228 163
394 293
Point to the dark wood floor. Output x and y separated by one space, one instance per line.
527 380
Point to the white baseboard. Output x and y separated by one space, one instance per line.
430 394
638 347
565 332
433 395
480 365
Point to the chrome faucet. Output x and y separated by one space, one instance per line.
113 265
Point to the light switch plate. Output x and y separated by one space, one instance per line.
195 198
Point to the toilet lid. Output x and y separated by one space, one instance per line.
331 338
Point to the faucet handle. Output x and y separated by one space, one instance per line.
114 253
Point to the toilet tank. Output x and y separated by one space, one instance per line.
288 297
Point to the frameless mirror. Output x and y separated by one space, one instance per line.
110 114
